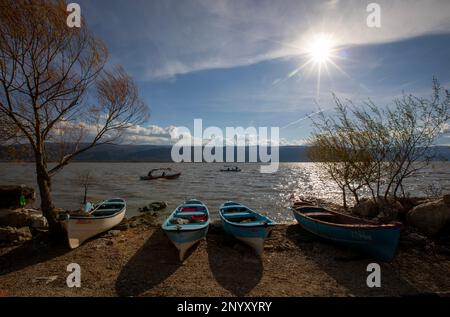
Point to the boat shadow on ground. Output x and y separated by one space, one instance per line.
347 267
154 262
31 253
234 265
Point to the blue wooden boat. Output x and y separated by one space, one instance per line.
245 224
379 241
187 224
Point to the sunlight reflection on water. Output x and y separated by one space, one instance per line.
268 193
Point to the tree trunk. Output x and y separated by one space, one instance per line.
344 198
48 208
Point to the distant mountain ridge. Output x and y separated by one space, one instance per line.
162 153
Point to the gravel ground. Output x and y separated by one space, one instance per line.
141 261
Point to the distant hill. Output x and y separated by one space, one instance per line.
162 153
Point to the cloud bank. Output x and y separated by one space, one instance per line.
164 38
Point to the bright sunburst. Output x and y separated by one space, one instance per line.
321 49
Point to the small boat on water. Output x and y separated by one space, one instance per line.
377 240
97 219
246 224
228 168
165 173
187 225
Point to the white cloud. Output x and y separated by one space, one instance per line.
157 135
161 39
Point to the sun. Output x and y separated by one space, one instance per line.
319 53
321 49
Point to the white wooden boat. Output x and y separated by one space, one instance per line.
187 225
100 218
246 225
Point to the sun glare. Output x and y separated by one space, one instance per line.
321 49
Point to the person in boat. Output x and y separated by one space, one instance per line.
88 206
163 174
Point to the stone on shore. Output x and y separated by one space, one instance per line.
430 218
154 206
23 217
10 234
384 208
446 199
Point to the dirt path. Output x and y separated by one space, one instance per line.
141 261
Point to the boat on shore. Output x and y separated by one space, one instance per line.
99 218
245 224
228 168
187 225
377 240
165 173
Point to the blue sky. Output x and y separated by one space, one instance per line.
228 62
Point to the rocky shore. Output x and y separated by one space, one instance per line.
136 259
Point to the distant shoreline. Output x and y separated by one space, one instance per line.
162 154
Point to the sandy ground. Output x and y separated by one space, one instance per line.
141 261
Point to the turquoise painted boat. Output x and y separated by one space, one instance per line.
187 225
245 224
379 241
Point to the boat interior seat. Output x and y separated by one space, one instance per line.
190 213
110 206
104 212
238 215
192 209
234 209
319 214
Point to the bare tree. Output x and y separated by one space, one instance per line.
376 149
50 77
86 179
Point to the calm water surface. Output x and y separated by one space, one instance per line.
268 193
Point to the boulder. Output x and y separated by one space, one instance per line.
14 218
122 226
416 239
446 199
114 233
23 217
38 222
384 209
10 195
366 208
430 218
158 205
154 206
10 234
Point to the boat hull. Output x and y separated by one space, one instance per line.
194 216
378 242
81 229
253 236
171 176
184 240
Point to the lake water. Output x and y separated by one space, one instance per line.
268 193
